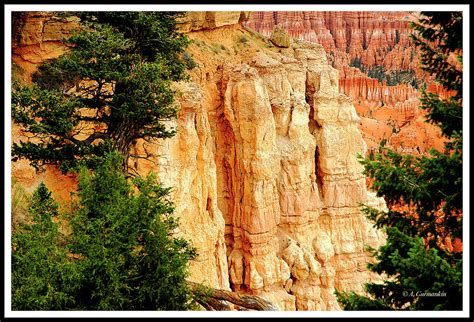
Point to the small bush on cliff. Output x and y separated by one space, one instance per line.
356 62
127 256
20 204
424 193
112 88
189 61
243 39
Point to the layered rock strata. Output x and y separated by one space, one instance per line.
264 169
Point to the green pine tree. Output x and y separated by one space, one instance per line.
43 276
124 234
112 88
422 272
122 253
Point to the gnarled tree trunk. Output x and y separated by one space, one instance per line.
216 299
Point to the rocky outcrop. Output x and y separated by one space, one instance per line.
266 153
371 92
280 37
264 171
37 36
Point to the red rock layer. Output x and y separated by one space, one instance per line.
378 38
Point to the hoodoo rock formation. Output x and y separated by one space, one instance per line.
361 44
377 38
264 168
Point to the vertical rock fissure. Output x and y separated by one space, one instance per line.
318 172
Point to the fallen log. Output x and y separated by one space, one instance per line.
215 299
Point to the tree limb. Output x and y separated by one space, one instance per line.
216 296
89 140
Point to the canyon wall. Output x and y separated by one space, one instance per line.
264 168
378 38
356 44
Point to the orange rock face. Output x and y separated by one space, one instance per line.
372 39
265 166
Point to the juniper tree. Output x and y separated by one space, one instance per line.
423 193
112 88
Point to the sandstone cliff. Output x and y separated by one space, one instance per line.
264 165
